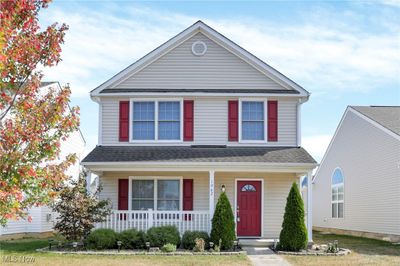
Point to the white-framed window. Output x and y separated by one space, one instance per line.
156 120
252 114
337 187
157 193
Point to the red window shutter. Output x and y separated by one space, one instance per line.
233 117
123 191
188 119
124 121
272 120
187 197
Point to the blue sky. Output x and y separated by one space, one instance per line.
344 53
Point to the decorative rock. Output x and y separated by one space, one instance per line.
341 252
323 247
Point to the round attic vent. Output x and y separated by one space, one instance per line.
199 48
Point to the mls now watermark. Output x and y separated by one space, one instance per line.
18 259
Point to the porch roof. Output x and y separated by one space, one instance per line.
206 154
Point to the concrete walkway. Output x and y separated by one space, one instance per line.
260 256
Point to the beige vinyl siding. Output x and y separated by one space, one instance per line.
210 121
275 190
217 69
110 120
369 159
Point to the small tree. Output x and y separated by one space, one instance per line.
79 211
293 236
223 223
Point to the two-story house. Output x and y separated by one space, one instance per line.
196 116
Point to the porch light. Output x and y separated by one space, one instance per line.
119 244
223 188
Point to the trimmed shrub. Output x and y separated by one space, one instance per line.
223 223
168 248
132 239
102 239
293 236
159 236
188 239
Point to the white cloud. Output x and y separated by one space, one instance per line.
333 55
316 145
395 3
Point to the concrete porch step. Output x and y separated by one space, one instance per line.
256 242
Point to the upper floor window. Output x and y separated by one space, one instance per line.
156 120
337 187
252 115
143 121
169 120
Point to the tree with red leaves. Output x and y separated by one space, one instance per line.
33 122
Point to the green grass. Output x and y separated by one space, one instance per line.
364 252
26 248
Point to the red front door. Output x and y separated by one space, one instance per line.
248 210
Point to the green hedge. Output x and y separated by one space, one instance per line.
189 237
102 239
159 236
223 224
293 236
132 239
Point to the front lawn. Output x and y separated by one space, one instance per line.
25 250
364 252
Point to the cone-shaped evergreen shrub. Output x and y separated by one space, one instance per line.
293 235
223 223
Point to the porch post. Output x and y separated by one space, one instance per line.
211 199
309 206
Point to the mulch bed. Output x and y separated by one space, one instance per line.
138 252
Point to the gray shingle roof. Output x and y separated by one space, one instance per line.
160 90
387 116
198 154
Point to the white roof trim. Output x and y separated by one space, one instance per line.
374 123
215 36
200 94
362 116
200 166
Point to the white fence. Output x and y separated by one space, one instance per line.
143 220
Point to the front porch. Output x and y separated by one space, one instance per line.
207 186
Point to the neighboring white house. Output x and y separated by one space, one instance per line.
357 187
196 116
42 217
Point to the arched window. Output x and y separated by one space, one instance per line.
337 193
248 188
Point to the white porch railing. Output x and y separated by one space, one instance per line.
143 220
